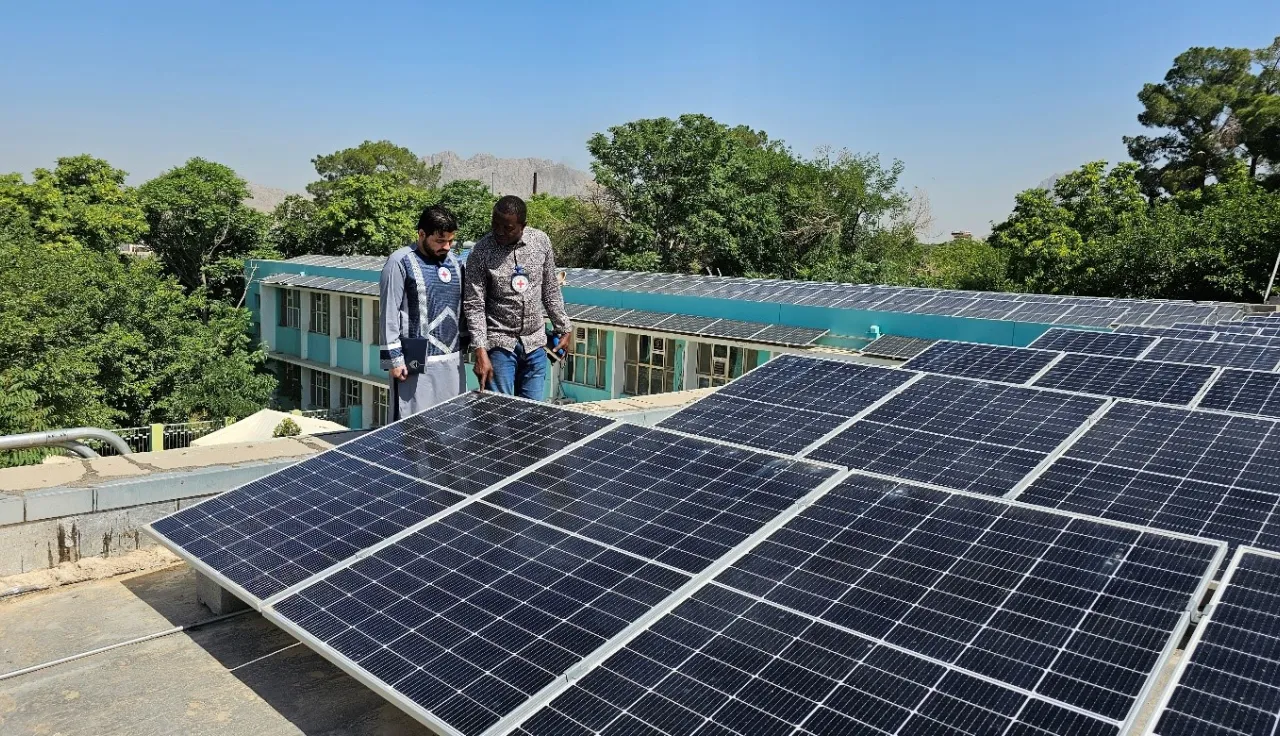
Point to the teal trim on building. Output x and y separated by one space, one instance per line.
375 365
318 348
350 356
288 340
355 417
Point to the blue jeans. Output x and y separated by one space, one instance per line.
519 373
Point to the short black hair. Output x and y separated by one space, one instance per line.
436 219
511 205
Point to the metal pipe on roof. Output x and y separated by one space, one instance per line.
63 437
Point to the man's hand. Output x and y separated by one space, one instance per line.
401 373
483 368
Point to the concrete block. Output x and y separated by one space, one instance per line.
161 487
114 467
60 502
215 598
45 475
12 510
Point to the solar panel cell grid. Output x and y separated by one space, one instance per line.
1253 357
282 529
1144 380
677 500
988 362
1245 392
896 346
475 613
474 441
1093 343
960 434
1228 685
1068 609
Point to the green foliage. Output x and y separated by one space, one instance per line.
382 159
82 200
471 202
287 428
1216 109
200 229
964 263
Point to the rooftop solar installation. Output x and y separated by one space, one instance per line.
959 433
473 441
1144 380
1200 473
1238 339
788 403
988 362
1181 333
887 608
323 283
1227 683
896 346
280 530
676 500
1244 392
1253 357
1094 343
277 531
461 622
692 325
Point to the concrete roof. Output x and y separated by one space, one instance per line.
260 426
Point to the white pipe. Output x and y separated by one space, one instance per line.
109 647
56 437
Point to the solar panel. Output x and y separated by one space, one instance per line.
889 608
1210 475
785 335
1181 333
1226 683
945 304
1254 357
1263 340
896 346
1037 312
1093 315
474 441
788 403
988 362
461 622
687 324
1170 313
1144 380
1244 392
958 433
733 329
989 309
676 500
280 530
1093 343
270 534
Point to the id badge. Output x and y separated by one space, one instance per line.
445 274
519 281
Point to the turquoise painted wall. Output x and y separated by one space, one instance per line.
349 355
288 341
375 368
318 348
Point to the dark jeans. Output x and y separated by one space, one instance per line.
519 373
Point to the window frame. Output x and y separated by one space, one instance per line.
381 406
290 308
641 369
349 322
347 389
735 361
320 382
580 360
320 307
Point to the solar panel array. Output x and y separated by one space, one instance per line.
1227 683
1094 343
989 362
726 329
896 346
324 283
1078 311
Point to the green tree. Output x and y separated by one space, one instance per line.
471 202
380 159
1215 110
200 228
81 200
293 225
964 263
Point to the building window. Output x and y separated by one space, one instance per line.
349 308
319 389
650 365
257 300
587 364
290 308
348 393
719 364
291 385
381 404
319 313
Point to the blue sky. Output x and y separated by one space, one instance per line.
979 100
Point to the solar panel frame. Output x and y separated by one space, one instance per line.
1227 355
998 363
1093 343
1239 391
896 346
1182 333
1178 384
1214 720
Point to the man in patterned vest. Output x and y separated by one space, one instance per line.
422 333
